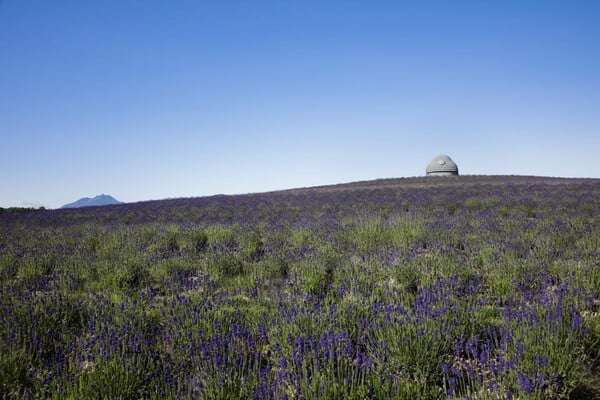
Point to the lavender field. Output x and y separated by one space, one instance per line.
420 288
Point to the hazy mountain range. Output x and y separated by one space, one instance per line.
100 200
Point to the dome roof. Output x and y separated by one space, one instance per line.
442 165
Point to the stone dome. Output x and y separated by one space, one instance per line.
442 165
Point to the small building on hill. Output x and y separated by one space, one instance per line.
442 165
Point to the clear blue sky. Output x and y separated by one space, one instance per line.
157 99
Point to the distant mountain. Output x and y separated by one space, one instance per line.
100 200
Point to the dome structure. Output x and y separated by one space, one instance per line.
442 165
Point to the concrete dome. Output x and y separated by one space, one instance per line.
442 165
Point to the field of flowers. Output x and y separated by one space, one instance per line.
422 288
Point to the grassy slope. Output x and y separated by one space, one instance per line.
423 287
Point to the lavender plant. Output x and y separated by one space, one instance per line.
476 287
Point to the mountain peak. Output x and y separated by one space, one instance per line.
100 200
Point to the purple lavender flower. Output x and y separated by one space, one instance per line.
525 383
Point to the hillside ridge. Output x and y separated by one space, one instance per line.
99 200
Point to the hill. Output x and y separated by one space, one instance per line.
100 200
269 208
428 288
